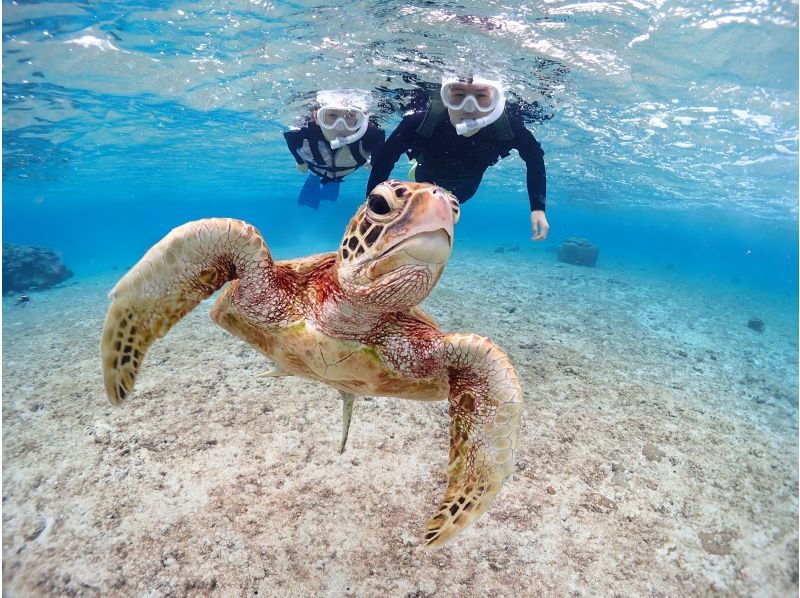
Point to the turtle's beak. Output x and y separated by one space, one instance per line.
429 248
424 250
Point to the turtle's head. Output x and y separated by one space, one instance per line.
397 245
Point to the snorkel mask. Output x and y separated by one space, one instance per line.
474 95
344 111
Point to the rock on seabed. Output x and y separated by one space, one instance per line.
27 268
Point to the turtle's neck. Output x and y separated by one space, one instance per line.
338 316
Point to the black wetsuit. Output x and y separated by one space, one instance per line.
457 163
309 146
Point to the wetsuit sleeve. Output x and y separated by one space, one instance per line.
401 140
530 151
294 141
374 139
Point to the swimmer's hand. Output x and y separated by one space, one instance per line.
302 168
539 225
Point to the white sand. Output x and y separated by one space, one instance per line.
664 427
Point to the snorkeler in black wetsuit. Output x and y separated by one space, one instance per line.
337 140
458 138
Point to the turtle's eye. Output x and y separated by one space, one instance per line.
378 205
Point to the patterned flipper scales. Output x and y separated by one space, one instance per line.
485 406
185 267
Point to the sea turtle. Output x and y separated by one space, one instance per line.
349 319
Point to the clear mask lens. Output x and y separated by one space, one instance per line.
349 119
470 98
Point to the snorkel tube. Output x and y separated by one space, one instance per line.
468 124
342 141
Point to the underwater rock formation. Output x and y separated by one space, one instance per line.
578 251
27 268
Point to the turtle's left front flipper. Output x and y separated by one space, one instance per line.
485 407
172 278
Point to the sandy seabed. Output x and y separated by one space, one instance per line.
658 454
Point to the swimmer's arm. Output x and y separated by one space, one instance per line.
372 143
401 140
294 140
374 139
531 152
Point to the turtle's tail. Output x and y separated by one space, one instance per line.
172 278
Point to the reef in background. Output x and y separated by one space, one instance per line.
27 268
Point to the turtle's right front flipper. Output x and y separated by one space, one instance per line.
485 408
172 278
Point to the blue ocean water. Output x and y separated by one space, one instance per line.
670 129
668 141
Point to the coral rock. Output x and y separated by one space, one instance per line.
27 268
578 251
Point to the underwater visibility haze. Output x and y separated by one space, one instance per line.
658 448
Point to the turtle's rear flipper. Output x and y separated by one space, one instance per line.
172 278
485 406
347 414
276 372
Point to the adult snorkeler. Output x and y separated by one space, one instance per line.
464 131
334 142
